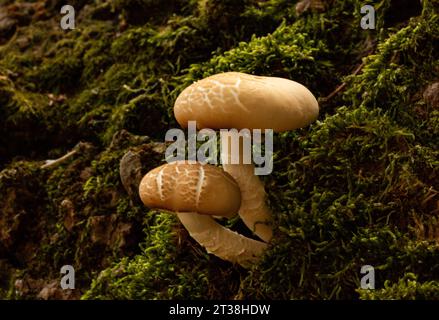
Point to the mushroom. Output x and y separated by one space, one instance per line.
196 192
238 100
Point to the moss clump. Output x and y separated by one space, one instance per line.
29 122
407 288
392 79
165 269
344 201
346 191
283 53
94 217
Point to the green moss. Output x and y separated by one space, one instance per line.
29 122
165 269
357 187
271 13
285 52
149 275
404 64
407 288
345 192
348 198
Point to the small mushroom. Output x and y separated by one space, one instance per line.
238 100
196 192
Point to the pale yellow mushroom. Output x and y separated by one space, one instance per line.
238 100
196 192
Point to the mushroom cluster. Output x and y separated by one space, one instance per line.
196 192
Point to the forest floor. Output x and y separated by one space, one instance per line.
360 186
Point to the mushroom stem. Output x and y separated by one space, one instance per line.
253 211
220 241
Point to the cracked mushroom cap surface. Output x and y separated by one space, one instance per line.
191 187
239 100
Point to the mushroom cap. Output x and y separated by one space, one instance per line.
191 187
239 100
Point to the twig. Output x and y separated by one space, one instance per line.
341 87
51 163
